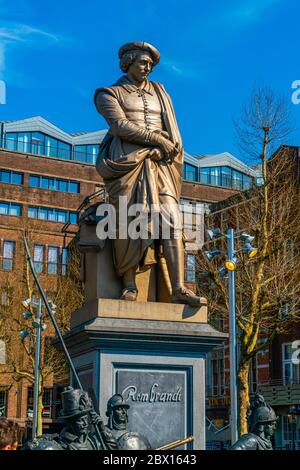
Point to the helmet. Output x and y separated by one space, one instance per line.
114 401
265 414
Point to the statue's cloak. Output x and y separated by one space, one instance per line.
127 171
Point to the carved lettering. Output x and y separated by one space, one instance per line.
131 393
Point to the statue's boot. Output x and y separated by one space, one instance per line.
130 290
174 254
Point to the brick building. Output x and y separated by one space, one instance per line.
45 174
272 372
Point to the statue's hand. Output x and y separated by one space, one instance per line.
156 155
96 419
169 149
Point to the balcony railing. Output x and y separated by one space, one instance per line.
280 392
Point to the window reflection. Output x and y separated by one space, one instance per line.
218 176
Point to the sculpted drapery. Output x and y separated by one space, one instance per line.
124 163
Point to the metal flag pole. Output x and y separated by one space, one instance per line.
232 342
55 325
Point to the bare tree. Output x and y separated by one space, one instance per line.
267 286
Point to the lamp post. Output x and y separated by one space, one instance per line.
38 327
229 268
37 367
232 342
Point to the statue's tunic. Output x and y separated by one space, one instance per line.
123 162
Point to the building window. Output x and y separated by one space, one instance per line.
237 180
291 431
253 372
53 252
215 176
38 144
11 141
38 258
23 142
47 402
11 177
290 371
3 402
64 150
64 261
190 267
218 375
8 208
226 177
4 298
86 153
2 352
8 248
190 172
205 175
55 184
50 146
52 215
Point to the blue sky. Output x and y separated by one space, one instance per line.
54 54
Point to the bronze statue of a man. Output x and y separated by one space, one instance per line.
262 424
80 417
141 159
117 413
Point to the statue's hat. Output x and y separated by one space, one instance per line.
75 403
140 46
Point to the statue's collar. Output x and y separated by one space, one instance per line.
129 86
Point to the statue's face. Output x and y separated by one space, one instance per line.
80 426
140 68
270 429
120 414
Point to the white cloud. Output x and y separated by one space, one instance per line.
180 69
25 33
14 34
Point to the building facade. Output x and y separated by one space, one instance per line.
274 372
45 175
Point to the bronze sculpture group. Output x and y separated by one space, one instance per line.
80 420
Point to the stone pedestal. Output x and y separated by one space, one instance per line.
152 353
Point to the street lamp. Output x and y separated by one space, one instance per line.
36 324
230 267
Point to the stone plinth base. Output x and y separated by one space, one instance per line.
158 365
110 308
